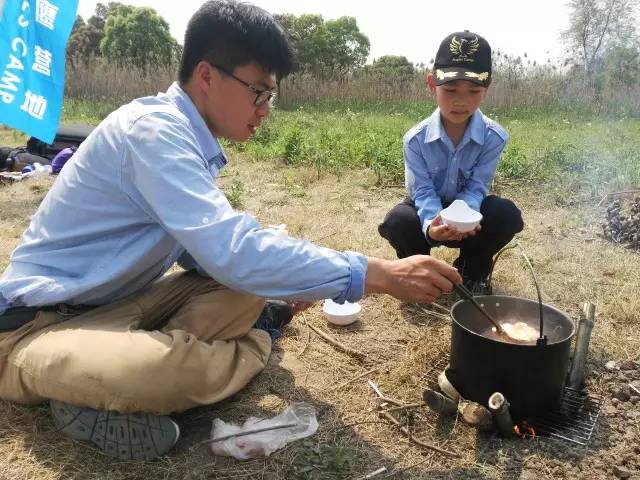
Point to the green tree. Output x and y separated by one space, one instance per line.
621 67
138 36
594 26
348 47
308 37
391 69
85 38
326 49
84 41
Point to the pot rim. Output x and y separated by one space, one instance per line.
511 297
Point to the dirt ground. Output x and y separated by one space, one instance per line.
404 343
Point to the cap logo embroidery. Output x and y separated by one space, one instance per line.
480 76
440 75
463 49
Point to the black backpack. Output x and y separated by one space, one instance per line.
13 159
66 136
5 152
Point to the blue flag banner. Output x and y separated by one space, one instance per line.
33 37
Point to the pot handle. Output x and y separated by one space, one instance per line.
543 339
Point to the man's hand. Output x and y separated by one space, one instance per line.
440 232
420 278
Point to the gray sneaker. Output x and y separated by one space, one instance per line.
126 436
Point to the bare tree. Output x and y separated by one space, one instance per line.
595 25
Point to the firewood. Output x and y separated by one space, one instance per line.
499 408
475 415
438 402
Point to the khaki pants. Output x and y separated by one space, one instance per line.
182 342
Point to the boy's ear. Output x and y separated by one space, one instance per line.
431 83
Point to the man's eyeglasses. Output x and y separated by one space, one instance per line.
262 96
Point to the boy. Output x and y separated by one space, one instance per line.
88 318
453 155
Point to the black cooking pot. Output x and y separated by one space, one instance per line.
531 376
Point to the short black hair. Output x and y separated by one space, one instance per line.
232 34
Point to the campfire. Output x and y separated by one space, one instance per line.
571 416
523 430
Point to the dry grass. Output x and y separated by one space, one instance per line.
573 264
515 85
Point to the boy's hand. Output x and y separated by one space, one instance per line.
440 232
298 306
419 278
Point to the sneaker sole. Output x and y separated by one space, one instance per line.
126 436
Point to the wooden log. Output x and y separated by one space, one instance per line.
439 403
585 326
499 408
475 415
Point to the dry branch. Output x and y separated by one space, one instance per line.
344 384
248 432
328 338
408 406
413 439
306 344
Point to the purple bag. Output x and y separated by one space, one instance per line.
61 158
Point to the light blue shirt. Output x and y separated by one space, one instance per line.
438 172
139 195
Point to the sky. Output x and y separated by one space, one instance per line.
410 28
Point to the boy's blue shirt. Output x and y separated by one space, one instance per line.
437 172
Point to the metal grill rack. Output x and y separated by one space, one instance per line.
574 420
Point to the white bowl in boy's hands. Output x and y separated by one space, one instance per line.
460 216
341 314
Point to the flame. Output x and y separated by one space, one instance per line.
524 429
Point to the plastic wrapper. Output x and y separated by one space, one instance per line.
263 444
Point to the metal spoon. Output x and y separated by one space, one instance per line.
467 295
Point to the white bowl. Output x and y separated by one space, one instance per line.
461 216
338 314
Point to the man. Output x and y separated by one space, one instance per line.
90 321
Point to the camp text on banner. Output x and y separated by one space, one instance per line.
33 36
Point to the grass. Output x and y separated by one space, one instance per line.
571 155
573 263
593 155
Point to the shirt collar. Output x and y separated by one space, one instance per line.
210 145
475 129
435 130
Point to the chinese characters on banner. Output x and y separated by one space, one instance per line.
33 36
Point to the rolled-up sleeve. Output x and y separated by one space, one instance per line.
420 184
166 176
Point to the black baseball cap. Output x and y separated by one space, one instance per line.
463 56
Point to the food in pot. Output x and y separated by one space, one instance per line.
520 331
